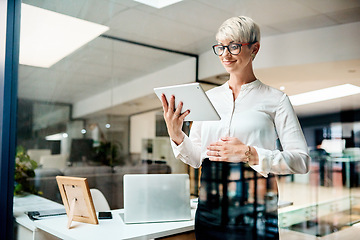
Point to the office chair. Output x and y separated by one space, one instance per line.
100 202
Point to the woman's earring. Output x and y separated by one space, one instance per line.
253 56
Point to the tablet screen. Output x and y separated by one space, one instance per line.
194 98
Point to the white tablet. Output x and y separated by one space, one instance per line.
194 98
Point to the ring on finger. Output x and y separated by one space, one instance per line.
218 153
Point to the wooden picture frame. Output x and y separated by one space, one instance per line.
76 196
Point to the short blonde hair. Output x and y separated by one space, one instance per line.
239 29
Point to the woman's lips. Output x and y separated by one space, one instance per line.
228 62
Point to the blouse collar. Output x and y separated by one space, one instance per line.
246 86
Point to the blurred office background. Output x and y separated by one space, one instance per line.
86 105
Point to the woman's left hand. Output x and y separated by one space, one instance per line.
229 149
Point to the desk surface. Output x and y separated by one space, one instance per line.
31 203
112 228
106 229
344 159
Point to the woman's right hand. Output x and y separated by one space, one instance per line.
174 119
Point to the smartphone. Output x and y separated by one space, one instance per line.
105 215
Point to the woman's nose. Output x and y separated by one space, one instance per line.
226 52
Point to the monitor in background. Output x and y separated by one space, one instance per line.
81 150
334 147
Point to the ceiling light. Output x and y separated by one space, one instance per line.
282 88
56 137
158 3
324 94
46 37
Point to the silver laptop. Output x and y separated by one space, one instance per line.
156 198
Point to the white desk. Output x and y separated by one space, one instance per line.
349 171
112 228
26 228
56 227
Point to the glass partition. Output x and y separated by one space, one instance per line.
79 118
327 199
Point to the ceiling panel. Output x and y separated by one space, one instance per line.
156 28
269 30
200 46
311 22
346 15
195 15
235 7
99 11
84 68
281 11
128 3
328 6
67 7
92 55
105 44
124 50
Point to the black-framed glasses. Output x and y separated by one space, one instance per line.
233 48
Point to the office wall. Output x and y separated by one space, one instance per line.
304 47
183 72
141 126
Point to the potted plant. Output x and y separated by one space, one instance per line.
24 168
107 153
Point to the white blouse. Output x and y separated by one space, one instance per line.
258 117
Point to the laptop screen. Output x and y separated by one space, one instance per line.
156 197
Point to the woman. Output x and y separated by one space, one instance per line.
239 154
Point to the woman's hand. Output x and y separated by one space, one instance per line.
174 119
231 149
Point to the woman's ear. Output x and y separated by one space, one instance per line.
255 48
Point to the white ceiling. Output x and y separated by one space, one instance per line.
188 26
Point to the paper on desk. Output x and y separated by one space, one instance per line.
37 215
33 203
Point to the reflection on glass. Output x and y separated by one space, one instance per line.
102 145
241 197
76 119
327 199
